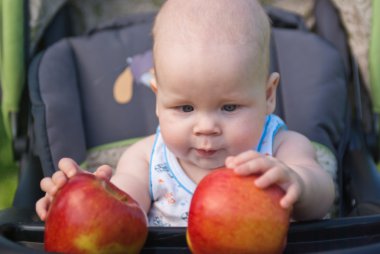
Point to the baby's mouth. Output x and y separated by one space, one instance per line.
206 152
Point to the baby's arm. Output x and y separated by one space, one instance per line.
132 172
130 176
309 189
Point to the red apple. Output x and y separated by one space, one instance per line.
229 214
91 215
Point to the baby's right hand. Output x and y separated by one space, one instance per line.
50 185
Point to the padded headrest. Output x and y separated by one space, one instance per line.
75 104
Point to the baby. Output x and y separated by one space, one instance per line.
215 99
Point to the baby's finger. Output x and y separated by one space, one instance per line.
48 186
235 161
291 197
104 171
59 179
257 165
271 176
42 206
229 162
69 167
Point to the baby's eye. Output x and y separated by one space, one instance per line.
229 107
186 108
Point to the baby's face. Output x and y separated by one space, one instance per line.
211 103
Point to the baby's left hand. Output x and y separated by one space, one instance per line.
273 171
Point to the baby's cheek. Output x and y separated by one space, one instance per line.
242 142
176 142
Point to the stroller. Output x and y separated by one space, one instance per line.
76 94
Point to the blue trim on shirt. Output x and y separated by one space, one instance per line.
268 118
151 164
280 125
174 175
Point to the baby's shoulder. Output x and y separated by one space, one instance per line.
145 143
140 150
287 139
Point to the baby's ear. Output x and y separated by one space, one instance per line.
271 88
153 86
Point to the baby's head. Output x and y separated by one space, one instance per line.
241 26
211 64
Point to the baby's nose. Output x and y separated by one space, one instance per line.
207 125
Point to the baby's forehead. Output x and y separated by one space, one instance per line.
212 21
236 63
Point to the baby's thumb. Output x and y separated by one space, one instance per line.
104 171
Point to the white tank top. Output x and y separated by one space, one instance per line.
171 189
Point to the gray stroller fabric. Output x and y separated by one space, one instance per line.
72 98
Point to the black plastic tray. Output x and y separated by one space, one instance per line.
343 235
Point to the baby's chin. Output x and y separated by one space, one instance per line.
204 164
211 165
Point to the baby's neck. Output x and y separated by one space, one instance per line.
195 173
